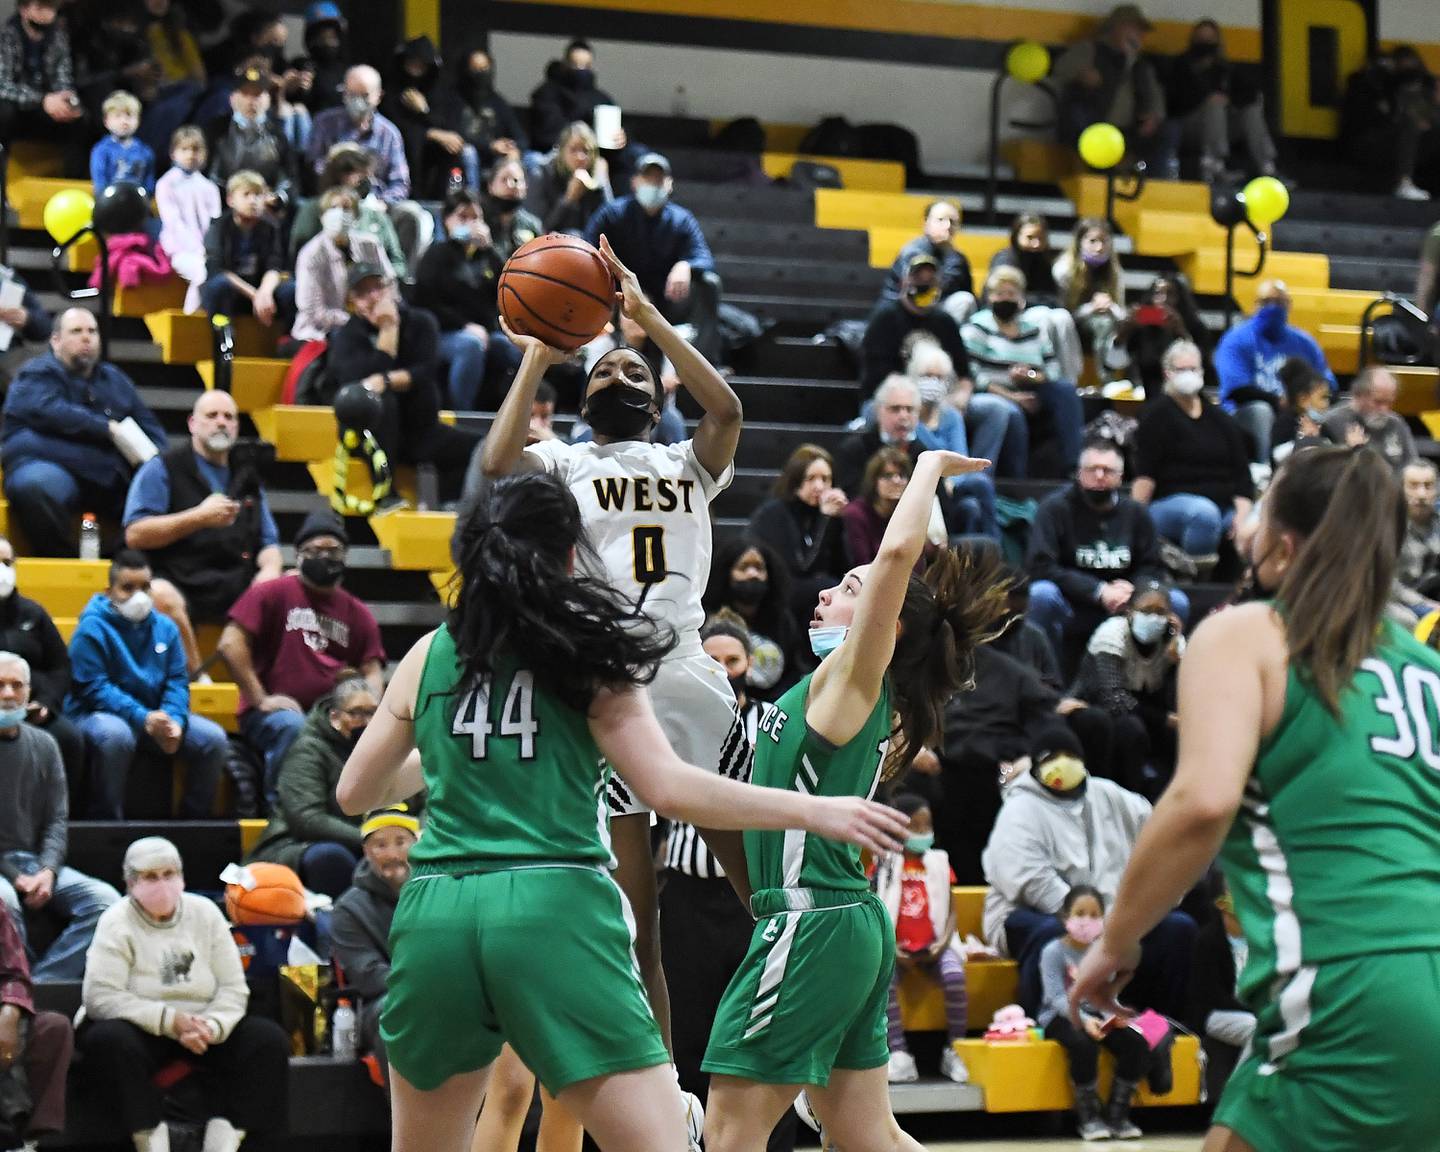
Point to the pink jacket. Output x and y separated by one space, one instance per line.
134 259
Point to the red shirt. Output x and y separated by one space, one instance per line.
913 929
300 638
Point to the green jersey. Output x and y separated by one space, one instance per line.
789 755
1336 850
513 776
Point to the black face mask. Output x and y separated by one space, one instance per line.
1005 310
322 571
355 734
1101 501
620 412
504 205
750 591
478 83
1205 51
580 79
737 685
364 188
325 53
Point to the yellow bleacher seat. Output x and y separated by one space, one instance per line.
302 432
32 158
417 541
842 208
30 194
1088 192
979 247
143 299
5 518
989 985
187 339
255 381
216 702
1037 160
1341 345
64 587
860 175
441 580
1034 1076
968 900
1419 390
1309 271
250 833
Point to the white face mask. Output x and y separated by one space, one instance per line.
7 580
334 221
136 608
1148 627
1187 382
823 641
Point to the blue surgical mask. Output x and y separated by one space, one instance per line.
1148 627
1271 319
823 641
244 123
651 195
920 844
462 233
12 717
1316 415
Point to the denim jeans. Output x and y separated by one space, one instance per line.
77 899
1052 613
44 497
327 867
111 745
271 734
464 352
1196 523
969 507
1257 420
998 433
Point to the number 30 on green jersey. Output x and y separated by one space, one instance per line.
517 716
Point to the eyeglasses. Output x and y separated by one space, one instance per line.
1100 470
321 553
366 714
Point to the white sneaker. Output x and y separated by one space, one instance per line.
808 1117
902 1068
952 1067
694 1119
1408 190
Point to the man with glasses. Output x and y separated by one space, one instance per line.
288 640
1089 545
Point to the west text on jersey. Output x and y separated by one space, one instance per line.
642 493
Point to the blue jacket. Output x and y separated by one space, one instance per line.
651 245
52 414
128 670
1246 357
112 160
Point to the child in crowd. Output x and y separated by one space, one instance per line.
119 156
915 885
245 257
188 201
1083 913
1307 399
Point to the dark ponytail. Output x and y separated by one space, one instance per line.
519 599
958 605
1348 510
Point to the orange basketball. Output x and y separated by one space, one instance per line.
558 289
277 898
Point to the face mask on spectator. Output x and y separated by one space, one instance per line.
335 220
322 571
245 123
1316 415
504 205
1095 259
920 844
357 106
1271 318
1084 929
1099 499
365 189
12 717
478 84
749 591
7 580
1187 382
738 685
1062 773
137 607
931 388
462 233
158 897
924 298
823 641
1148 627
1005 310
651 195
581 79
355 734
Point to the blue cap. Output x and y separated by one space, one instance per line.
323 11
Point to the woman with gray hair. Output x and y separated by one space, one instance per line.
164 986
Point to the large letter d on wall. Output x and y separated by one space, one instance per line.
1311 47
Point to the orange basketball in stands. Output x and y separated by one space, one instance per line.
558 289
277 898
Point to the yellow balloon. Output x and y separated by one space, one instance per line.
1102 146
67 212
1028 62
1266 201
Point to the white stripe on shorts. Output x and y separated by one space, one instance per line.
768 991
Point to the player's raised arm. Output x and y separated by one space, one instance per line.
503 451
719 432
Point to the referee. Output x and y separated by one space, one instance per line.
704 929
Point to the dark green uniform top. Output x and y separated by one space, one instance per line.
514 776
789 755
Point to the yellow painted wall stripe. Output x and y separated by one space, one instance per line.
422 18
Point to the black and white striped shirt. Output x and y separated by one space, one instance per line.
685 851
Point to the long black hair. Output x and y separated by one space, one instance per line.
519 598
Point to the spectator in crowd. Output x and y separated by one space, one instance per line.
205 525
1012 359
892 322
968 503
480 114
393 350
349 166
307 830
664 245
110 53
1106 80
1390 120
1427 279
951 412
1082 915
748 578
1224 1024
957 285
359 121
326 41
1030 252
1136 346
164 982
360 924
288 639
1129 672
1045 841
1369 417
259 33
1091 282
120 156
569 93
130 693
27 630
458 282
1088 546
1191 461
172 45
420 95
1248 360
252 139
187 201
572 185
33 833
1300 422
245 258
801 522
1211 104
29 323
38 98
35 1048
322 267
914 886
59 444
1022 639
883 482
1417 575
510 224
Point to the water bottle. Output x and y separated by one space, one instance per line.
89 537
342 1031
456 181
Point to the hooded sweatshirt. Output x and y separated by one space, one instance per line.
1042 845
126 669
1080 548
1249 356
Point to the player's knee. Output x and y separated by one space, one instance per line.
511 1088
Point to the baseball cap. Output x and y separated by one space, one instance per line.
362 272
653 160
253 77
323 12
922 260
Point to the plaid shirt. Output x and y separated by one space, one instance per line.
392 170
14 84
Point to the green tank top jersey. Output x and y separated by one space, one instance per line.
513 776
1335 852
789 755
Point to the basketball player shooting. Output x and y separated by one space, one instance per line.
646 508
